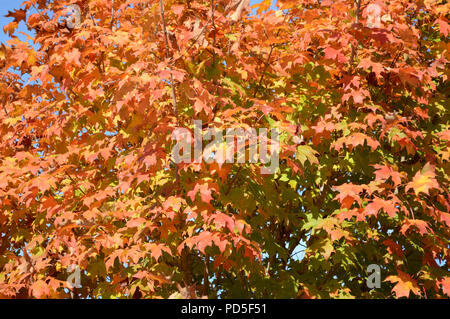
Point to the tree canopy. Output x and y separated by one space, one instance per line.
357 89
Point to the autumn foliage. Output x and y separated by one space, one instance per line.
86 176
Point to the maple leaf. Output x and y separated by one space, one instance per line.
18 15
10 28
445 283
332 228
39 289
444 27
376 67
354 140
324 247
333 54
178 9
305 152
136 222
445 135
409 75
239 6
446 218
421 225
348 194
424 180
349 213
377 204
393 247
222 220
205 192
384 172
73 57
157 249
201 241
199 105
404 285
358 96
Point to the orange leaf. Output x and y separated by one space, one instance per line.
405 285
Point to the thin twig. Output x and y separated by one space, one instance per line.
206 276
112 14
267 63
354 48
70 177
358 6
4 108
174 97
214 31
201 32
264 71
298 252
230 185
32 3
92 18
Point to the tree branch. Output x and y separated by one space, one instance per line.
354 48
214 30
174 97
358 7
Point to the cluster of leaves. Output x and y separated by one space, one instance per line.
86 176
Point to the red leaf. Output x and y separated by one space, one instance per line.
384 172
205 192
39 289
18 15
73 57
444 27
421 225
378 203
445 283
333 54
178 9
348 194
